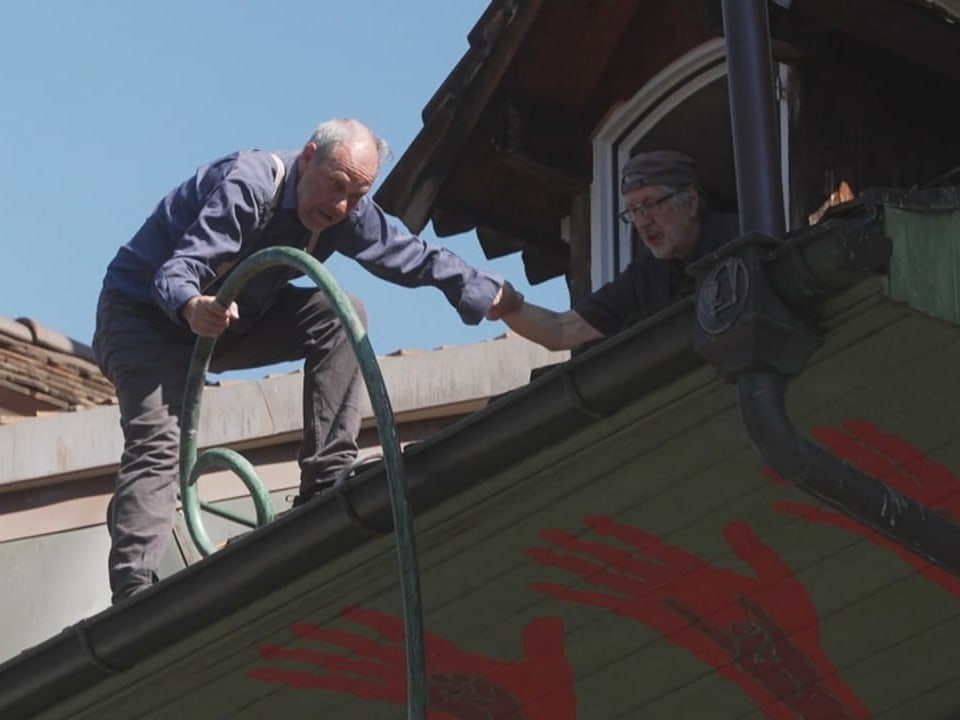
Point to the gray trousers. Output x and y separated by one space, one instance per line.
146 357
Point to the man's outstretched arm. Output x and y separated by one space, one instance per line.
555 331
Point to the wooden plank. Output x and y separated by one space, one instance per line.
390 564
937 702
675 463
696 693
579 280
412 187
894 26
919 665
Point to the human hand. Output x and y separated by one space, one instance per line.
759 631
901 466
460 684
208 318
507 301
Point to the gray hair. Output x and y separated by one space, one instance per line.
331 133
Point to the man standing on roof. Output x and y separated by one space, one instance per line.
159 294
667 207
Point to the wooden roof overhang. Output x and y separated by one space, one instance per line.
505 145
505 148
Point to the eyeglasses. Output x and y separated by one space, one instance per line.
644 210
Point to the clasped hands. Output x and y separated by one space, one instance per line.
508 300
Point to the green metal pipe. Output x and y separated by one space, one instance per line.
192 466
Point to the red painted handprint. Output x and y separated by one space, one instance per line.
761 632
461 685
902 467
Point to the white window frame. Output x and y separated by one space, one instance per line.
610 239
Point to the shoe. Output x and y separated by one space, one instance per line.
358 464
302 498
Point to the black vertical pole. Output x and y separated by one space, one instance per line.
752 114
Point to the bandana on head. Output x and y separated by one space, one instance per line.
660 167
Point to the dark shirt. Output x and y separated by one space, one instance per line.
223 213
648 284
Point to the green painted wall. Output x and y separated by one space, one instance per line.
925 267
707 591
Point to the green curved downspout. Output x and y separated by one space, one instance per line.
191 466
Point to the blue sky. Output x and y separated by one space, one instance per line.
108 105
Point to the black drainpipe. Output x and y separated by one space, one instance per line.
750 82
745 329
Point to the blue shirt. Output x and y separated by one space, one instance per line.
223 213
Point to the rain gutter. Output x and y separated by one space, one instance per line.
548 410
562 401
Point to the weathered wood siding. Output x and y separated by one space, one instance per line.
735 597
